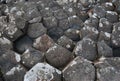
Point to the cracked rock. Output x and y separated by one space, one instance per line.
58 56
43 72
79 69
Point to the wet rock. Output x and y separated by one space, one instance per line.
86 48
43 71
55 33
91 22
112 16
43 43
116 35
6 43
72 34
23 44
79 70
106 37
31 57
107 67
15 74
58 56
93 32
104 49
66 43
50 22
105 25
35 30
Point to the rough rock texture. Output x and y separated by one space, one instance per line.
79 69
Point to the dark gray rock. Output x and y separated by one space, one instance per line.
43 43
31 57
115 39
72 34
58 56
116 52
43 71
89 32
92 22
36 20
79 70
15 74
50 22
66 43
106 37
112 16
105 25
107 67
83 15
86 48
104 49
23 44
35 30
108 6
55 33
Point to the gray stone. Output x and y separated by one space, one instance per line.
35 30
79 70
66 43
58 56
86 48
23 44
115 39
43 72
108 69
104 49
31 57
43 43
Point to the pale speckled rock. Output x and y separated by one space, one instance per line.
86 48
31 57
43 43
107 67
58 56
79 70
43 72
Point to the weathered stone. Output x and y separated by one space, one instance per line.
55 33
23 44
112 16
36 20
35 30
105 25
104 49
79 70
66 43
106 37
72 34
115 39
43 72
31 57
50 22
43 43
86 48
58 56
107 67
